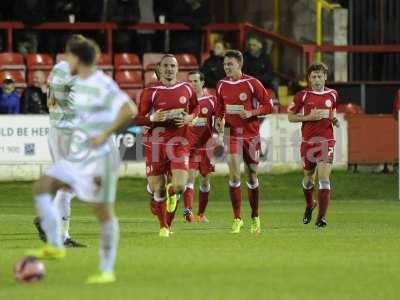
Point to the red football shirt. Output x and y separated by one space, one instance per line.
306 100
174 99
202 127
246 93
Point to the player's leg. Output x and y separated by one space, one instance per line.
308 190
109 237
157 182
204 191
176 188
234 161
150 191
253 195
44 191
188 196
324 192
63 200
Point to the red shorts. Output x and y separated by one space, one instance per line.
200 159
248 148
161 159
312 153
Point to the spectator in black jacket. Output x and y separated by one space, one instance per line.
213 67
195 14
258 64
33 100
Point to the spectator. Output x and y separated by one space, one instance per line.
258 64
33 100
194 13
9 98
213 67
125 12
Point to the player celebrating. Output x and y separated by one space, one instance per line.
202 148
316 109
90 169
241 99
62 121
170 107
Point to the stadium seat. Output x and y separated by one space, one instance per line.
30 75
12 61
129 79
17 75
127 61
149 78
134 94
39 62
151 59
349 109
105 63
187 62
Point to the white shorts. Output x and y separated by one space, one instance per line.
59 140
92 180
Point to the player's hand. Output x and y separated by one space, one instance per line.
315 115
336 122
245 114
99 140
184 119
158 116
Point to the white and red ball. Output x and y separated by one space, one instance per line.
29 269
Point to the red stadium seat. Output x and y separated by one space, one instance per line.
39 62
16 75
150 60
149 78
12 61
105 63
187 62
129 79
349 109
30 75
127 61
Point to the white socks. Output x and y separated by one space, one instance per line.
63 202
109 244
50 219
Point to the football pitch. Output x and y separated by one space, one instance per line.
356 257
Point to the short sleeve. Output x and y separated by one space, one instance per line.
297 104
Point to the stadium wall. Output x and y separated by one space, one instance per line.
24 153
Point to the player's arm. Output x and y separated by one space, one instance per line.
144 118
126 113
264 99
219 113
294 109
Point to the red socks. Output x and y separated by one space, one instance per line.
188 196
170 216
203 199
253 198
324 197
234 192
308 189
160 210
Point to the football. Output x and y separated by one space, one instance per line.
29 269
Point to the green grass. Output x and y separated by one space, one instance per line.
356 257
